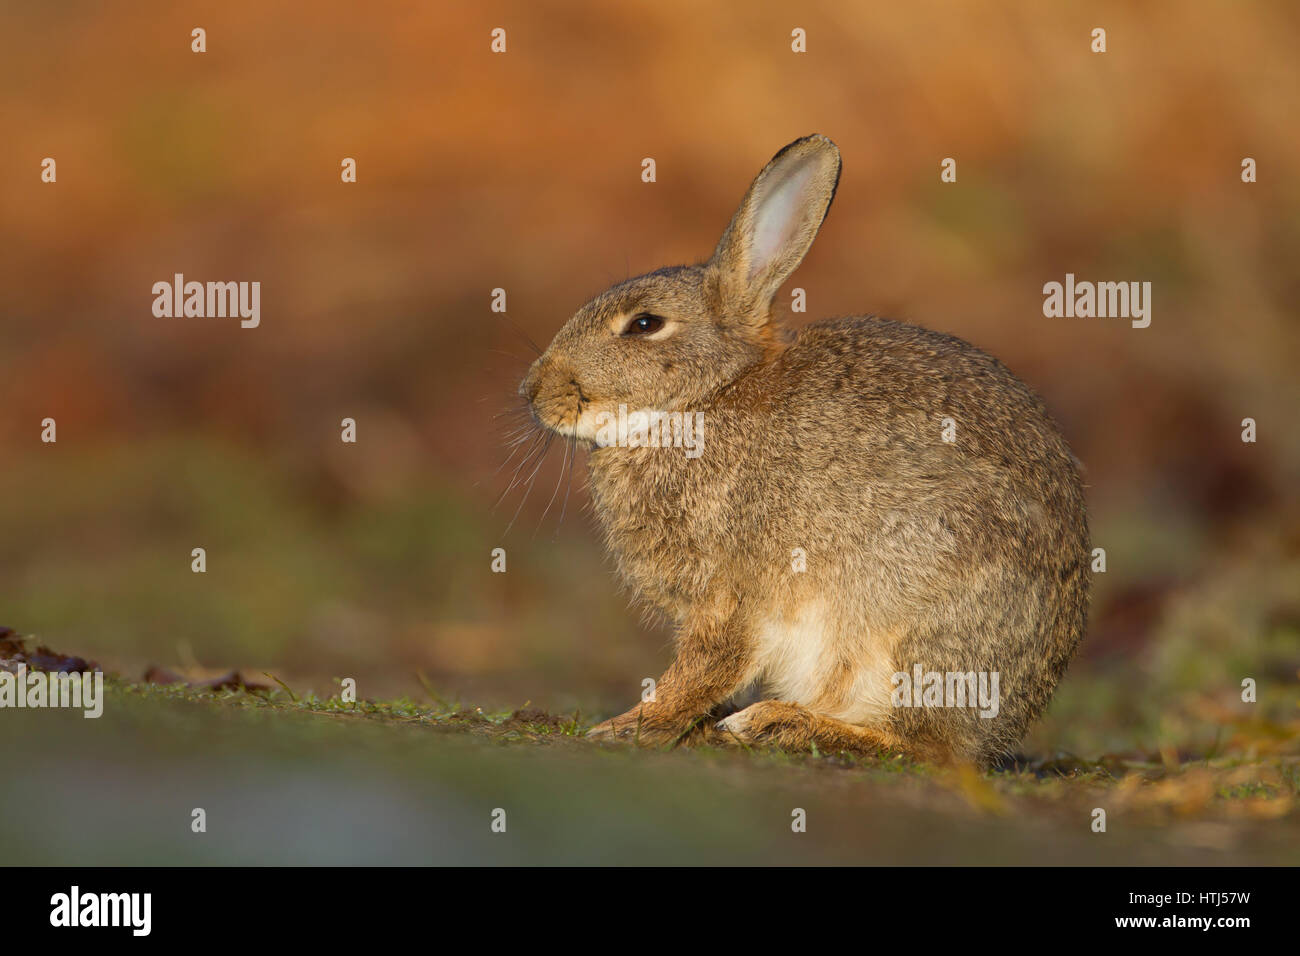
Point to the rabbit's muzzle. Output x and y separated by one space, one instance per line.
555 399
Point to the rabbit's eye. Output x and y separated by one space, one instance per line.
644 324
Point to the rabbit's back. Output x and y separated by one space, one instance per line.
876 416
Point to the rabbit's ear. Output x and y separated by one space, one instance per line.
775 226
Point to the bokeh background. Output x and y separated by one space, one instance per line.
522 171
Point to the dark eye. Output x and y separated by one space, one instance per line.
643 324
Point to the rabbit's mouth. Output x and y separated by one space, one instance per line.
563 413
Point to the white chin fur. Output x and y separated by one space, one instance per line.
590 423
585 427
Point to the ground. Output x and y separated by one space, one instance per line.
292 778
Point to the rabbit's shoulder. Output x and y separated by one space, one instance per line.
885 345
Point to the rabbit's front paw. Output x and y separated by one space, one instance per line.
608 730
644 727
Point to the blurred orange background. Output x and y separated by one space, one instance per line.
522 171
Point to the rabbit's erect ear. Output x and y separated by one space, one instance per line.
775 225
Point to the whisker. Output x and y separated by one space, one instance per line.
513 355
521 415
522 465
514 439
568 486
510 322
529 487
558 481
514 450
539 442
519 427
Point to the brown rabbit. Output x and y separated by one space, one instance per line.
876 526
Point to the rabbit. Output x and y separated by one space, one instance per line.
870 504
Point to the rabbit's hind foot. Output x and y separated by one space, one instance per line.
792 726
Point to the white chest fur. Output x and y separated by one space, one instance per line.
813 659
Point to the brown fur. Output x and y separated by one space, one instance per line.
966 556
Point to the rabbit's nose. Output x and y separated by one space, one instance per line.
529 387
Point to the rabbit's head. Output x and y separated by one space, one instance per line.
669 339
